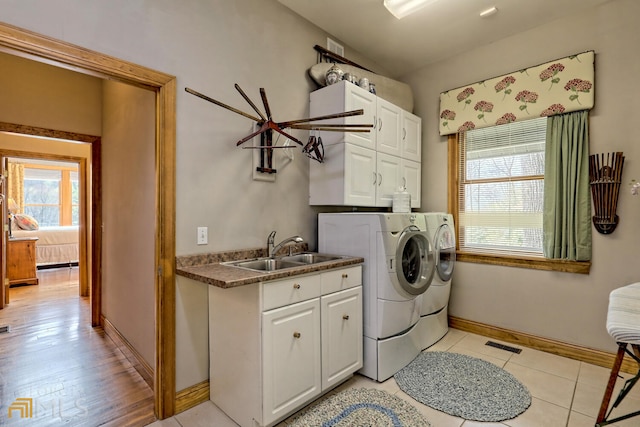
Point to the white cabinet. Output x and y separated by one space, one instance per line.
410 177
361 170
389 178
343 97
278 345
291 358
341 329
356 176
389 128
360 175
411 137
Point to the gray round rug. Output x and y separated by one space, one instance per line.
464 386
359 407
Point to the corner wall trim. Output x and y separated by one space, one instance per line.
192 396
583 354
132 355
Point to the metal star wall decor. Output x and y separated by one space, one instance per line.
266 127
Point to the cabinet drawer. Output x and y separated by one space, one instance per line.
338 280
289 291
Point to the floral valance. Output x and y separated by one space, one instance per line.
556 87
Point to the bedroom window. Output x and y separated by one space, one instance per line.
51 194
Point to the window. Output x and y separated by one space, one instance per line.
42 195
501 188
51 194
496 194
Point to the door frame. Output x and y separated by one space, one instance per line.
86 287
27 44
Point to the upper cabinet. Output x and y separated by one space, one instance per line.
365 168
411 136
341 97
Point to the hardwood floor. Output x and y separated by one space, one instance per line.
73 373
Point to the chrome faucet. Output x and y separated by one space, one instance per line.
272 250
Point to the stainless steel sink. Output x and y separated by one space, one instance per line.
265 264
311 258
279 263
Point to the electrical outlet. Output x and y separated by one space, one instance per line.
203 237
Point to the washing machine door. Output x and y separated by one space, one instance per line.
445 246
415 262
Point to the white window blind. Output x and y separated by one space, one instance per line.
501 185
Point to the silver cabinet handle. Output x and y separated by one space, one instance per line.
296 286
380 124
404 134
380 180
404 182
296 335
374 178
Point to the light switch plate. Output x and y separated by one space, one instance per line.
203 235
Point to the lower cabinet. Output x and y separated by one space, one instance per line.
291 357
341 336
278 345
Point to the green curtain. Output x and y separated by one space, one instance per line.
567 195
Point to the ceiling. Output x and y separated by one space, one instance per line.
439 30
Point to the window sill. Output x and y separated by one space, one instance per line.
577 267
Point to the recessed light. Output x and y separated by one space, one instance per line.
402 8
491 11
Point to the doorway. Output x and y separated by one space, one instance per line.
16 41
48 201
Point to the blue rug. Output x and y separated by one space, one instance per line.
464 386
359 407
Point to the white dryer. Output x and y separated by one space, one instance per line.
433 323
398 267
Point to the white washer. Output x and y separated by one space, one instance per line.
433 323
398 268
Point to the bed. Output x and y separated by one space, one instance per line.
55 245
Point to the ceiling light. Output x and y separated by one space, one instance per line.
402 8
491 11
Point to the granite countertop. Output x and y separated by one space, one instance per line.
207 268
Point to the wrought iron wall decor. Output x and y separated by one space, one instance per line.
605 175
266 127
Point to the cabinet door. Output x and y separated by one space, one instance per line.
360 176
341 97
21 261
341 335
358 98
388 128
411 179
411 136
388 178
291 358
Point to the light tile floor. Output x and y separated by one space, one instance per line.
565 392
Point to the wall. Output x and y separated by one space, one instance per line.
566 307
40 95
15 142
209 46
129 210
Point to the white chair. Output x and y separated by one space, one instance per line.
623 324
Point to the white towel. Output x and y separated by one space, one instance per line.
623 317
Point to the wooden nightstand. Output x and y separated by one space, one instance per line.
21 261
